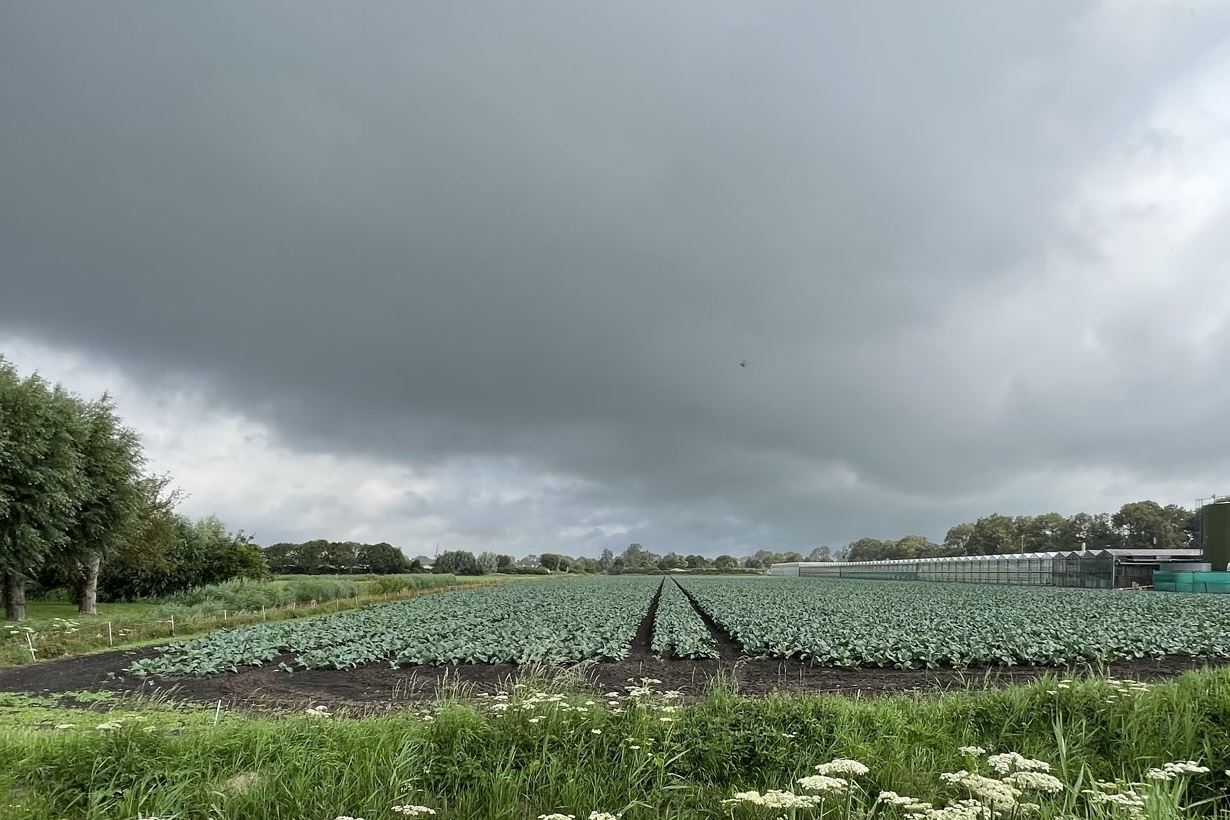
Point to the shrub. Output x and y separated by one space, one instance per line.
389 584
302 590
457 562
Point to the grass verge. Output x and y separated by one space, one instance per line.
530 753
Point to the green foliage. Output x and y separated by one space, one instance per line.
480 762
457 562
390 584
322 557
511 623
251 595
41 480
1137 525
57 631
678 630
110 500
196 554
911 624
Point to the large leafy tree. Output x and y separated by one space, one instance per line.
40 478
457 562
383 559
821 553
1147 524
111 497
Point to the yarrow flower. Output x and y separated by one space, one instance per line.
1127 798
999 794
961 810
557 817
972 751
1169 771
602 815
109 726
824 783
777 799
1013 762
1035 782
842 765
317 711
413 811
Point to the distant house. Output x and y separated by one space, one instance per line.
425 562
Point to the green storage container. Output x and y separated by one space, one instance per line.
1215 534
1213 582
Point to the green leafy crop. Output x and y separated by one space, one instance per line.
912 624
533 621
678 630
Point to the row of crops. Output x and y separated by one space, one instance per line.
551 622
678 630
829 622
885 623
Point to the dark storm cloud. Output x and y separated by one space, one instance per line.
549 233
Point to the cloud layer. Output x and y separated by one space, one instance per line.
485 273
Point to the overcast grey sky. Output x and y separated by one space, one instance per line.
482 274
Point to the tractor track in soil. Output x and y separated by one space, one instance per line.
729 650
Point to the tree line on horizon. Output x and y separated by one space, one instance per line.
1137 525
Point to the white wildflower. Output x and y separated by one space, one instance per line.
1035 781
1169 771
109 726
777 799
1013 762
602 815
842 765
824 783
999 794
413 811
972 751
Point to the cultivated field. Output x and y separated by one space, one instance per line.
760 634
911 624
620 697
827 623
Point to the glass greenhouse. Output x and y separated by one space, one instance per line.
1105 569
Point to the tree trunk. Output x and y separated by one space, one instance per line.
14 596
88 601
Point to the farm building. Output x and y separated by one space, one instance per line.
1106 569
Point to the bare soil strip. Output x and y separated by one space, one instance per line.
378 687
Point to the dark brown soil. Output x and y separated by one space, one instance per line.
376 686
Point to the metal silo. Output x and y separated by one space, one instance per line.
1215 533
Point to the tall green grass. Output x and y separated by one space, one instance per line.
476 762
